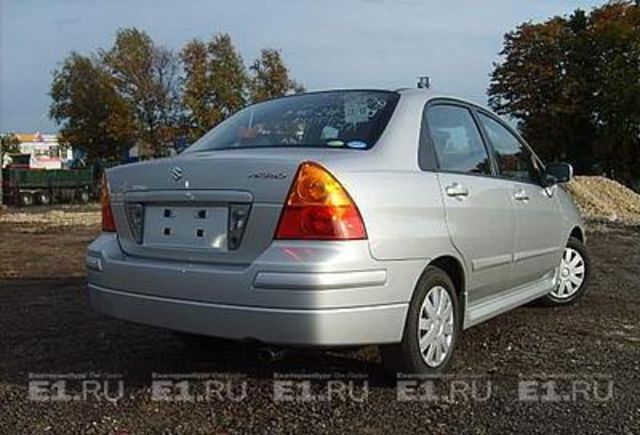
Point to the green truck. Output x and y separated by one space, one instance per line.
25 187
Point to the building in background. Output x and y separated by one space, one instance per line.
44 149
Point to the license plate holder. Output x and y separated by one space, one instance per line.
186 227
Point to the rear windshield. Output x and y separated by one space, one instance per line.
337 119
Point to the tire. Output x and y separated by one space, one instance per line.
42 198
25 199
82 197
575 270
407 356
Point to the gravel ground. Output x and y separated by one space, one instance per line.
46 242
48 330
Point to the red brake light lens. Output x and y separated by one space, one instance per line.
319 208
108 224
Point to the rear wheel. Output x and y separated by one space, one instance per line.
25 199
42 198
431 329
573 275
82 197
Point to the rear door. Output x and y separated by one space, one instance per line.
479 212
538 241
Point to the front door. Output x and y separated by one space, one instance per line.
538 241
538 244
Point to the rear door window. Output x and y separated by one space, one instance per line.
337 119
457 141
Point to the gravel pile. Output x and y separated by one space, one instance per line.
603 200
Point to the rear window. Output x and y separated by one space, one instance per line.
340 119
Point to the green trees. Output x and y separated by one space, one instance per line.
573 84
146 77
9 143
270 77
215 81
140 93
89 109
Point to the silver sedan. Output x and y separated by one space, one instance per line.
341 218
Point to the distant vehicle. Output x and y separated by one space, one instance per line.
341 218
24 187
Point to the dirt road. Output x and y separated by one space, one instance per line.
507 368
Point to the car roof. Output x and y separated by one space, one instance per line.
425 95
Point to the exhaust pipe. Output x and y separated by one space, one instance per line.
271 354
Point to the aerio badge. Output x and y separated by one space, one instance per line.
266 175
176 173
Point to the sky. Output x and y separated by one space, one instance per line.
326 43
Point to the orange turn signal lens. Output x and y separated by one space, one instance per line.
319 208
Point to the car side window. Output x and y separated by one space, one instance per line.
457 141
514 159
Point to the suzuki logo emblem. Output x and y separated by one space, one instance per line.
176 173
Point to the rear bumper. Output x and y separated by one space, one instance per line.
329 327
295 293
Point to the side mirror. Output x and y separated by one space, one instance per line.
555 173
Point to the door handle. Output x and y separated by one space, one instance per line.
521 195
457 190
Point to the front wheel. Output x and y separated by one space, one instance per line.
431 329
573 274
42 198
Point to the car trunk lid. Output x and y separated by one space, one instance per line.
219 207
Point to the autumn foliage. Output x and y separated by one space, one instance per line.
573 84
140 93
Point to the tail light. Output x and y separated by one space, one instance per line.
319 208
108 224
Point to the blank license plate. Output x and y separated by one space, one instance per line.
186 227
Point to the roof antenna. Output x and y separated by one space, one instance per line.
424 82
